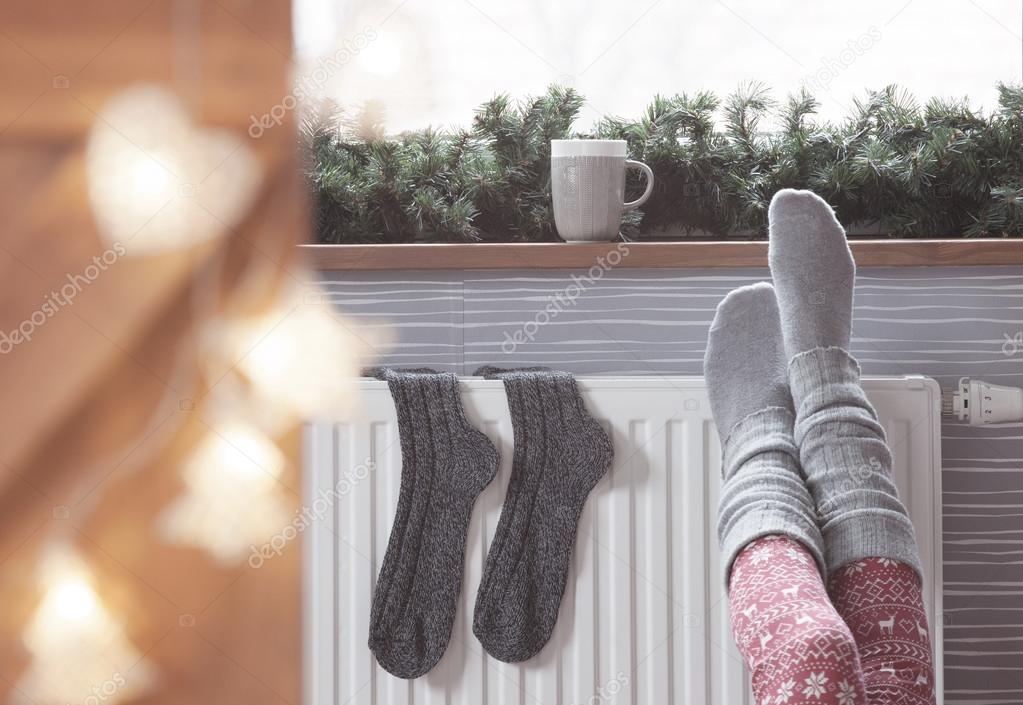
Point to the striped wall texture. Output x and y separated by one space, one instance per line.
944 323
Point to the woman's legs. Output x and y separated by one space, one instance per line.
795 644
797 647
869 547
882 602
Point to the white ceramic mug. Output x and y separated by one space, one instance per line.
588 188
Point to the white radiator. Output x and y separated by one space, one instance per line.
644 619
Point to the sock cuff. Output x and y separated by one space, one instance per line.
424 385
541 396
762 519
871 533
384 373
765 431
495 372
821 366
428 403
826 390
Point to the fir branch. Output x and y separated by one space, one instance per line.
940 168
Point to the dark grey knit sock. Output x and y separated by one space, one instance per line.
446 463
561 452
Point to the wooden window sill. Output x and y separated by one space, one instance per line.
659 255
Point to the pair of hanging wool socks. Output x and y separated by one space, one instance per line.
446 463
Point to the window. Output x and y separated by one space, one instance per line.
434 62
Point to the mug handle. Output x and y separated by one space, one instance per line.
630 164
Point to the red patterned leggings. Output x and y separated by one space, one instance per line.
863 640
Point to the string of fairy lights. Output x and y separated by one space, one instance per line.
159 185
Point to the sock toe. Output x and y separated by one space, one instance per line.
754 299
745 358
791 202
813 272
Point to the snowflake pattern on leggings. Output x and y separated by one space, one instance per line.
797 647
882 602
862 641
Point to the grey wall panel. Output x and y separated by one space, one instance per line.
941 322
422 315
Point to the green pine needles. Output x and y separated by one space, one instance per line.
893 167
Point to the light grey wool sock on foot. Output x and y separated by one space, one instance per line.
561 452
745 361
847 462
445 464
762 493
813 272
842 448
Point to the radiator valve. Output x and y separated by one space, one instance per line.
980 403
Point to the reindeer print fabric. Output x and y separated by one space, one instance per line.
797 647
863 640
882 602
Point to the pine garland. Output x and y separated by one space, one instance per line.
940 169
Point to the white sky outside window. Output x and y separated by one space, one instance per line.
432 62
